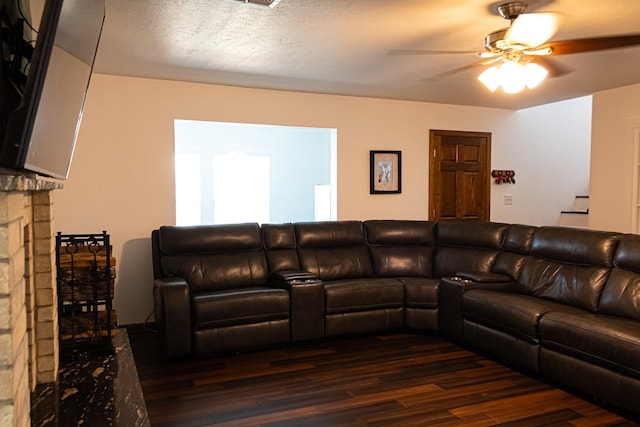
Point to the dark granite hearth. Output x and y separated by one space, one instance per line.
93 390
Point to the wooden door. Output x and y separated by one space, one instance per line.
459 175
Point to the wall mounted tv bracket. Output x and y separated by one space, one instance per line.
16 51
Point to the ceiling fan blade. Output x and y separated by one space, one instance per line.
532 29
397 52
448 73
567 47
489 55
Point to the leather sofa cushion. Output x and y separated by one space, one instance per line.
343 296
568 265
607 341
218 271
421 293
329 234
239 307
628 254
570 284
470 246
621 294
514 314
402 261
449 261
333 250
336 263
575 246
477 234
280 244
214 257
402 233
516 247
401 248
279 236
205 239
519 239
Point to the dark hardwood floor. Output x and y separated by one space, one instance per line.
393 380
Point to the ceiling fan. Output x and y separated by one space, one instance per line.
521 50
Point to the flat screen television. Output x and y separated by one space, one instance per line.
43 88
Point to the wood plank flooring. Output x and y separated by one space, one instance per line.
392 380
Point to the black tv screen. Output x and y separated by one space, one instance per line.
44 88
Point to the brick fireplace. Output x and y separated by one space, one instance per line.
28 301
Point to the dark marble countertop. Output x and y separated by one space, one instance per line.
93 389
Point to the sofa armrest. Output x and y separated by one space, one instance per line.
450 299
484 277
173 315
291 275
306 293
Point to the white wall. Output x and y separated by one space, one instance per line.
548 147
121 178
616 113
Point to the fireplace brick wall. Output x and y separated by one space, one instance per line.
28 308
46 317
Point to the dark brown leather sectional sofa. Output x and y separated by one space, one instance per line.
562 303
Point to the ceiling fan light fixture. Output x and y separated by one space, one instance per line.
490 78
513 9
513 76
496 40
534 74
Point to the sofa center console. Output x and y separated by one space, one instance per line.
307 303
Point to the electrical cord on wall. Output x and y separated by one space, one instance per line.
145 325
26 18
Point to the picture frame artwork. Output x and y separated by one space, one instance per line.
385 172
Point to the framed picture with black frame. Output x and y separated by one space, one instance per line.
386 172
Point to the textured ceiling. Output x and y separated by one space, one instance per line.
343 46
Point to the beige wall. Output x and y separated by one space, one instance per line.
548 147
616 113
121 178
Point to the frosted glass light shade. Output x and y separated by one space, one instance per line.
534 74
490 78
513 76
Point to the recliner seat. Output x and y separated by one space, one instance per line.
356 301
223 300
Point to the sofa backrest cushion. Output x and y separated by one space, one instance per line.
467 246
333 250
401 248
568 265
515 249
280 243
575 245
621 294
215 256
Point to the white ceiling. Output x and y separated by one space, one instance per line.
343 46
